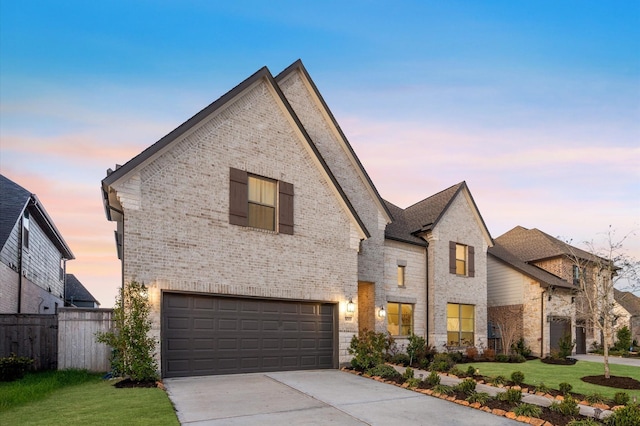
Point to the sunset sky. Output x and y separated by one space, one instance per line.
535 104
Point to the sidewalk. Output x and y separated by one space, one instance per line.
633 362
585 410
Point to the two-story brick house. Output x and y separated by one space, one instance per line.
262 238
33 254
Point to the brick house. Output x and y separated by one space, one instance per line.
539 277
33 254
266 246
628 310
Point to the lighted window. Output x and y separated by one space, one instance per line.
399 319
262 203
461 259
460 324
401 275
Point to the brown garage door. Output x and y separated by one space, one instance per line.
205 335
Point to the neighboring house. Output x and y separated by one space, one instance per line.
76 294
628 309
551 302
262 239
435 265
33 254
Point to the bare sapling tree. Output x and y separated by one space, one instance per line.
508 319
597 271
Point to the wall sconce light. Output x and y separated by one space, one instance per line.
382 313
351 307
549 298
573 299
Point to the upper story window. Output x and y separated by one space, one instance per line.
461 259
25 229
260 202
401 275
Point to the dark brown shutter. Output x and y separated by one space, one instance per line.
285 208
238 197
472 261
452 257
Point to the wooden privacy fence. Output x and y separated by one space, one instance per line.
61 341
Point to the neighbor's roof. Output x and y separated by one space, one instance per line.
532 244
546 279
627 300
74 291
14 200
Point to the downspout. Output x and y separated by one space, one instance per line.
426 250
20 255
542 324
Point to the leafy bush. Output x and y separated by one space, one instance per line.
489 354
481 397
624 339
13 367
368 350
512 396
466 386
385 371
401 359
565 345
471 371
528 410
565 388
521 348
441 362
455 371
498 380
541 387
595 398
502 358
517 377
416 349
455 356
584 422
517 358
433 379
621 398
625 416
568 407
471 352
413 382
443 389
408 373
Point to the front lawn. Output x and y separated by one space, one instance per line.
536 372
89 400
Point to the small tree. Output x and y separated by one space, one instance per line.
508 319
133 349
624 339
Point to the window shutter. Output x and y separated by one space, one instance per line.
471 262
285 208
452 257
238 197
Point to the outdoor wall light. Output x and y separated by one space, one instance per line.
351 307
382 313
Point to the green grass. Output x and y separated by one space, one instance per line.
80 398
536 372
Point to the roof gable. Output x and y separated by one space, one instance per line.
629 301
75 291
298 67
532 244
261 76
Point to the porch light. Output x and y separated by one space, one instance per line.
382 313
351 308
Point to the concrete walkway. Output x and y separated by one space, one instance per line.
317 397
634 362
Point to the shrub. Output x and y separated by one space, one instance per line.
521 348
517 358
565 388
481 397
512 396
408 373
433 379
416 349
541 387
517 377
498 380
625 416
471 371
568 406
489 354
502 358
584 422
466 386
368 350
621 398
441 362
443 389
385 371
455 371
595 398
13 367
471 352
528 410
401 359
624 339
413 382
565 345
455 356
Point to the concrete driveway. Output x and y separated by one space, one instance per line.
316 397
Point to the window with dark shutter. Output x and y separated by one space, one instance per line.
471 265
285 207
238 196
452 257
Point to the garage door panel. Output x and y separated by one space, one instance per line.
233 335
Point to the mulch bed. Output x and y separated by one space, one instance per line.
128 383
559 361
613 382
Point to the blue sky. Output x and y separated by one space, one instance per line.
536 104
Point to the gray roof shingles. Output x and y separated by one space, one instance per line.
74 291
13 200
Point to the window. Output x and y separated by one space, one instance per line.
399 319
401 275
25 230
260 202
461 259
460 324
576 275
